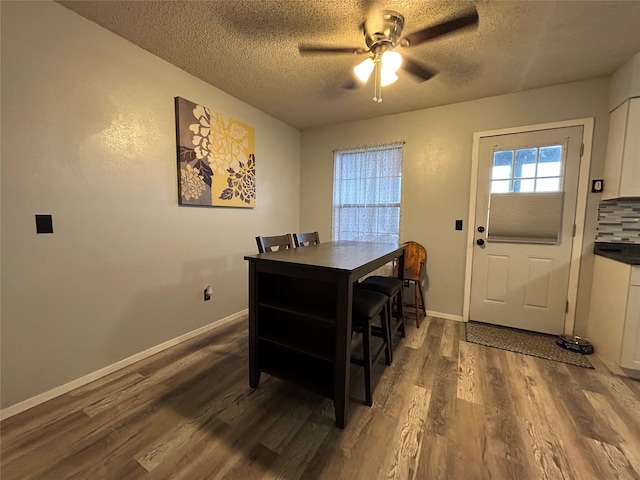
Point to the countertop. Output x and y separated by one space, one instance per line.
628 253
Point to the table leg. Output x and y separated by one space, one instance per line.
254 372
343 350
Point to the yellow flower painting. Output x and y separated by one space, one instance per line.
216 158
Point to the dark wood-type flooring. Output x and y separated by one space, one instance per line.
445 409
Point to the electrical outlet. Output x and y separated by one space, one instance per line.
207 293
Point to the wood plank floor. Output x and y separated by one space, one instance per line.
445 409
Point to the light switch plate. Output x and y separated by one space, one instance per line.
44 224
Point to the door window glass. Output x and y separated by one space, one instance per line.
527 170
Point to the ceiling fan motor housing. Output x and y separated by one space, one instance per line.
382 35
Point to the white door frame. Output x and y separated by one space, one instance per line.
581 208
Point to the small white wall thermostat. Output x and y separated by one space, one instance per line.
596 185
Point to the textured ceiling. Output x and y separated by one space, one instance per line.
248 48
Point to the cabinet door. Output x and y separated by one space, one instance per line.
630 356
615 150
609 297
630 175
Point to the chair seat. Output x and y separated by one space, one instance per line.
367 304
389 286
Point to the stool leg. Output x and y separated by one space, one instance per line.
400 301
366 357
389 313
386 332
424 310
415 300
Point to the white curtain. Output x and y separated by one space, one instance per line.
367 188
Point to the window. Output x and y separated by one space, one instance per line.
535 169
367 185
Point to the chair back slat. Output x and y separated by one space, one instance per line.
306 239
277 242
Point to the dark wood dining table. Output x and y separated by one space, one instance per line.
300 313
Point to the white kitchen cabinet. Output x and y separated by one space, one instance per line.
630 357
614 314
622 163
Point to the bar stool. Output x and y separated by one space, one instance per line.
415 267
366 306
392 288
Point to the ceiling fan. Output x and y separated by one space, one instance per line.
382 35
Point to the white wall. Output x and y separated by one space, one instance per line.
88 135
437 174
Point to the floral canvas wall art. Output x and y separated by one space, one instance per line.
216 158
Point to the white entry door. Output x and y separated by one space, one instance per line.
524 228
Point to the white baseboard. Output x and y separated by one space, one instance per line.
79 382
431 313
446 316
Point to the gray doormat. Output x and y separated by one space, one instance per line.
521 341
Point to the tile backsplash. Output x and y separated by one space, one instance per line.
619 221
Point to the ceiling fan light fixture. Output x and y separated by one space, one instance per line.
363 70
391 61
382 31
387 78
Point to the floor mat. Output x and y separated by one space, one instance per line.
521 341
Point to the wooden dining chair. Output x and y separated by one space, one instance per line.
415 268
306 239
279 242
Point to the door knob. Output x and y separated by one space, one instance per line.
480 241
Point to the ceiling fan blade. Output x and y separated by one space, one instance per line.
421 72
321 49
463 20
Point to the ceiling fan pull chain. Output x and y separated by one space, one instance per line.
377 80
